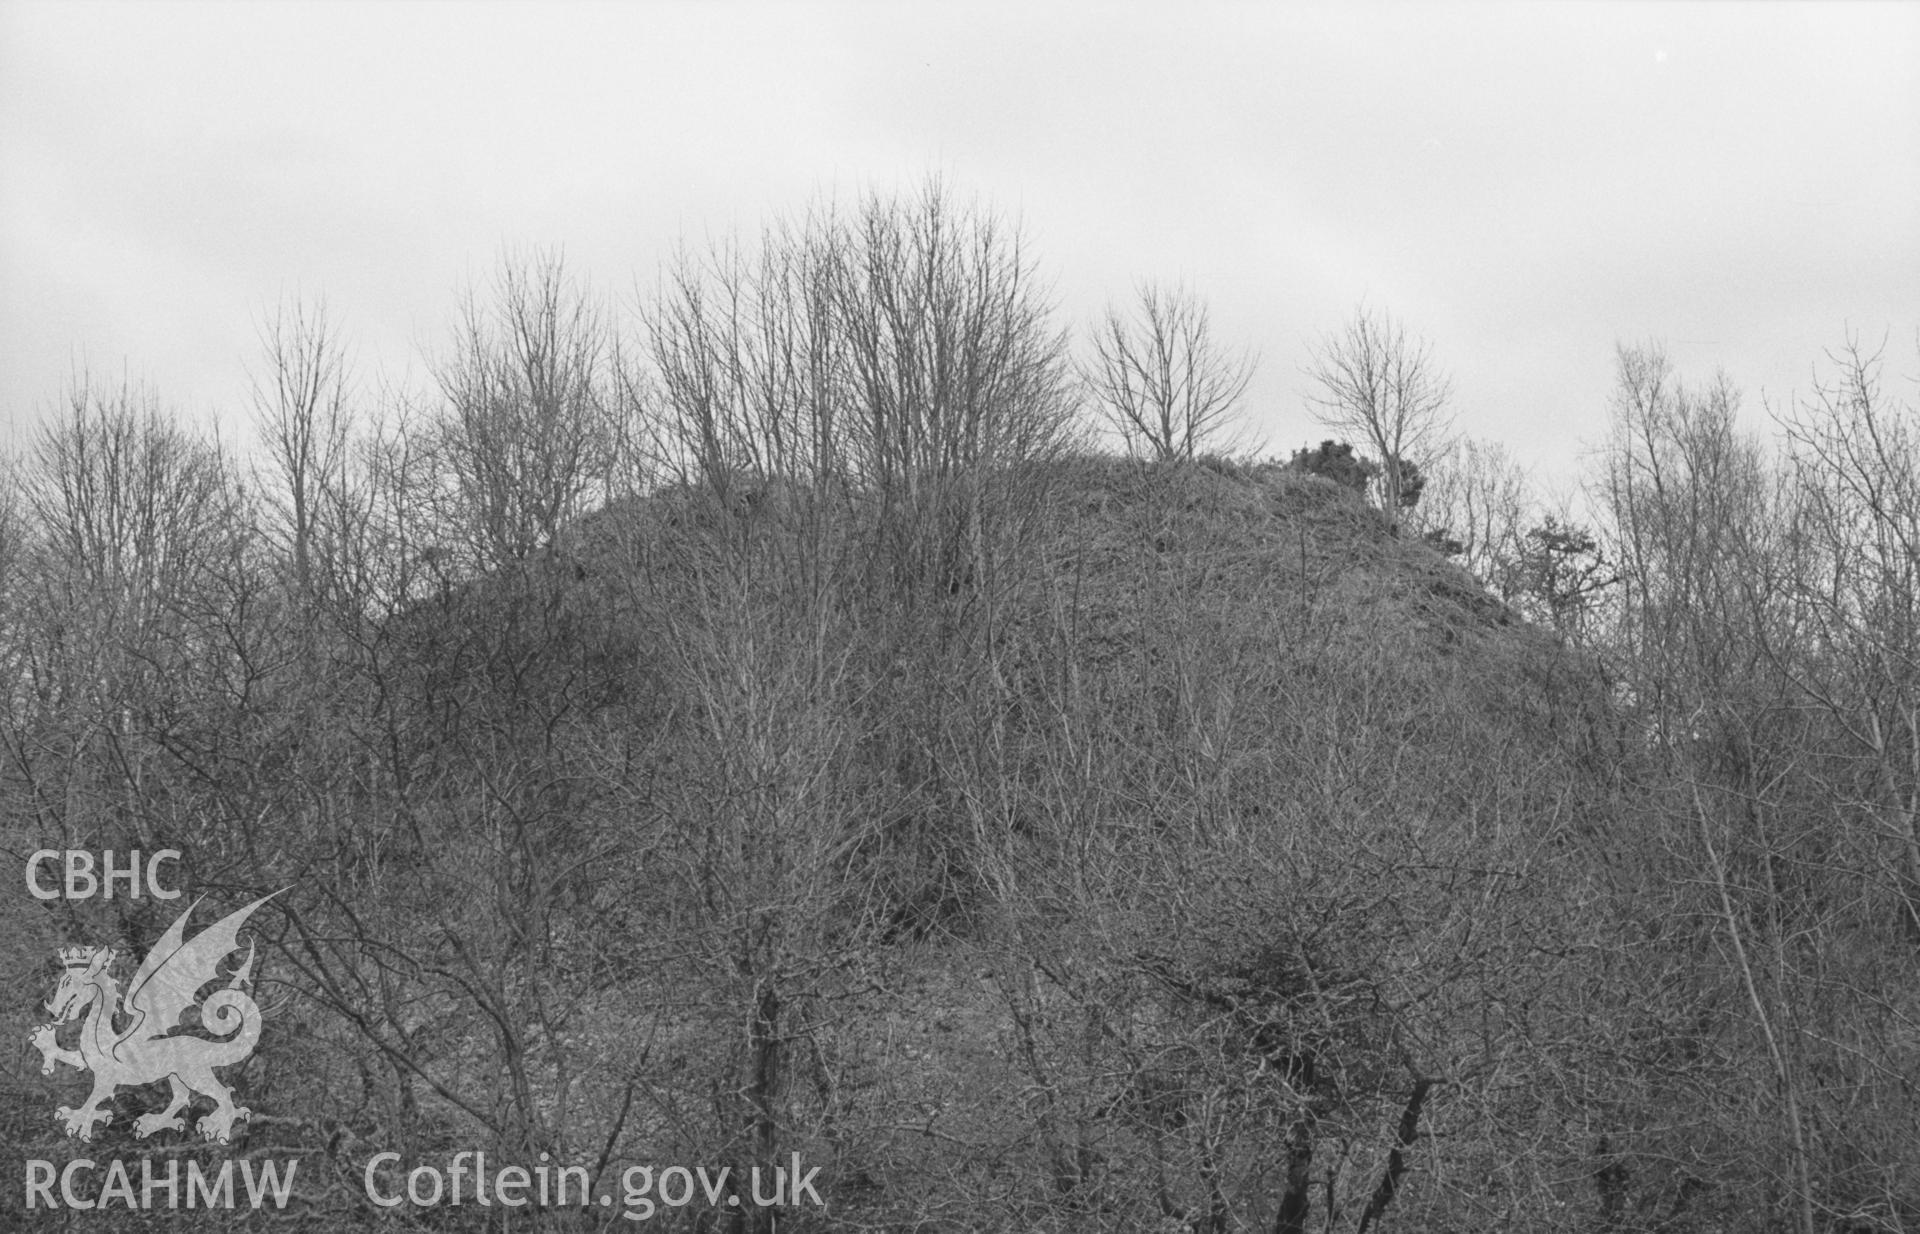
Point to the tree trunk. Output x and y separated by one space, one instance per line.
1294 1203
1397 1158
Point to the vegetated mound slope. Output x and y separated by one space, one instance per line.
1082 846
1120 548
1262 622
1300 556
1287 601
1131 826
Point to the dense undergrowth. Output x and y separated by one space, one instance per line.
1023 838
1216 859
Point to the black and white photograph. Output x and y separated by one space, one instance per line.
764 618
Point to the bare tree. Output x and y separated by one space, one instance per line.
526 434
1707 634
1160 378
1685 505
128 503
136 542
1377 383
1479 497
745 351
953 359
301 411
13 552
959 380
11 530
1855 453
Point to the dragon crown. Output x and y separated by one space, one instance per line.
79 957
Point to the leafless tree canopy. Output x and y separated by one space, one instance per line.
1381 387
907 340
1477 495
303 416
1160 377
130 504
527 428
902 352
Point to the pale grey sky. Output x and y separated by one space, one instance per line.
1524 184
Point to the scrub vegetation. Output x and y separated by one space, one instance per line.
770 718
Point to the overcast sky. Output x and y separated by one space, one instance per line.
1524 185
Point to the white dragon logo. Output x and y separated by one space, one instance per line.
142 1052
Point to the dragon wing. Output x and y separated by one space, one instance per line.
175 968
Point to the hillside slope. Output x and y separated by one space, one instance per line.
1086 845
1208 831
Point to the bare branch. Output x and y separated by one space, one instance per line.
1376 383
526 437
301 411
1160 378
